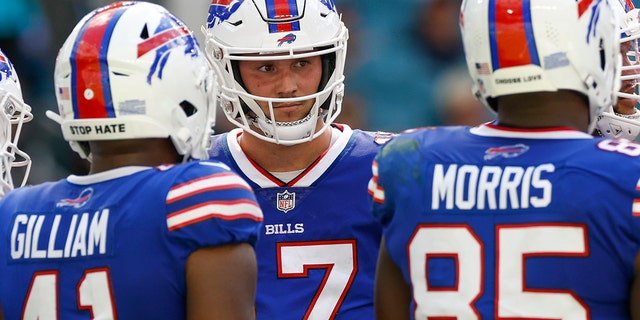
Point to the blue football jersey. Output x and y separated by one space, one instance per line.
490 222
115 244
318 246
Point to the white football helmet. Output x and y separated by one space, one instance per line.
612 123
259 29
516 47
15 113
132 70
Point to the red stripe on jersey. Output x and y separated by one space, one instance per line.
373 188
219 181
308 169
225 210
636 208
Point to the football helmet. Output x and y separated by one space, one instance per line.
623 119
15 113
132 70
261 29
516 47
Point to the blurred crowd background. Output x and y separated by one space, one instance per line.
405 67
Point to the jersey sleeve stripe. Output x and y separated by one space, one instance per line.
218 181
225 210
375 190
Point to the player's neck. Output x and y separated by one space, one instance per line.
279 158
107 155
544 110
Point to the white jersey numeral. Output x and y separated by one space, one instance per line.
94 294
337 257
514 244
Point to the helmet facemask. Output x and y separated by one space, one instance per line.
14 114
622 120
321 34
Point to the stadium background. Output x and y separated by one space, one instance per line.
405 67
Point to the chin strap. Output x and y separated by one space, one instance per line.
634 116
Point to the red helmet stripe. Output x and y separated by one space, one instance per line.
282 9
90 85
512 40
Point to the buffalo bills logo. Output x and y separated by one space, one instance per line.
505 151
6 71
169 34
221 10
290 38
78 202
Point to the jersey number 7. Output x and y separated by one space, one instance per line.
338 257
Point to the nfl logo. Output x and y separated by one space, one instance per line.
286 201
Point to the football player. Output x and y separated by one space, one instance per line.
622 120
15 112
281 65
145 235
529 216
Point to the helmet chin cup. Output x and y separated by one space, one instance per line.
285 132
617 126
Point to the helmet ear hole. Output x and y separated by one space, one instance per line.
188 108
328 67
236 73
235 69
603 57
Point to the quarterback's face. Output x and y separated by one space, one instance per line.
283 79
